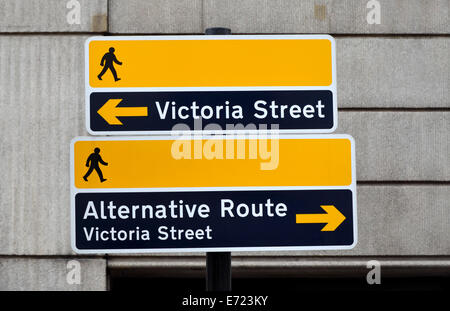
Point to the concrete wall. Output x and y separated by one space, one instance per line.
393 95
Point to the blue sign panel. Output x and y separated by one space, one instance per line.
214 220
290 111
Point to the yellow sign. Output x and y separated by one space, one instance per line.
145 162
210 61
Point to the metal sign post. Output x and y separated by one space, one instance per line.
218 265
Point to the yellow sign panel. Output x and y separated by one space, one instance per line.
310 160
203 61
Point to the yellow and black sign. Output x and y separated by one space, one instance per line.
144 162
148 84
147 194
205 61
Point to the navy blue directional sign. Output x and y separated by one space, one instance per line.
161 112
214 220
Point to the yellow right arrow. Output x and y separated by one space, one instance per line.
333 218
109 111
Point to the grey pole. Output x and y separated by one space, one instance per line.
218 265
218 272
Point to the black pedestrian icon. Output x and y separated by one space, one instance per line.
107 62
93 163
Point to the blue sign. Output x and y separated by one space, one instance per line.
290 111
214 220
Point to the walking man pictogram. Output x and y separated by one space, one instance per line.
93 163
107 62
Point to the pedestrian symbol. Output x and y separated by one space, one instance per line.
107 62
93 163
